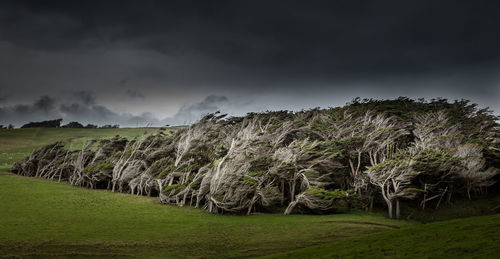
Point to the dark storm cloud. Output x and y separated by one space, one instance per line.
86 97
100 114
44 107
45 104
95 112
288 54
338 38
134 94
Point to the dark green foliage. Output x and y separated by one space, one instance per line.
261 164
163 173
327 148
166 161
330 194
256 173
200 157
249 180
103 167
173 189
430 160
319 125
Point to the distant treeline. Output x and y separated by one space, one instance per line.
43 124
57 124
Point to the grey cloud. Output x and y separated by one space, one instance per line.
134 94
95 113
86 112
45 103
189 113
19 114
321 38
145 119
45 108
99 114
86 97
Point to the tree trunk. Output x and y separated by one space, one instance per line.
369 206
425 196
450 192
397 208
389 208
282 192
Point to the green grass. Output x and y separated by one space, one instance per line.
458 208
474 237
18 143
44 218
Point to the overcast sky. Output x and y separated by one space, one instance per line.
140 62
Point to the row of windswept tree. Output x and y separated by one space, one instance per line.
366 153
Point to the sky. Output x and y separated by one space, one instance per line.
138 63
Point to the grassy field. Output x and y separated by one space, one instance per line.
474 237
39 218
43 218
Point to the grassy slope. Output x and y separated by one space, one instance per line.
19 143
477 237
40 217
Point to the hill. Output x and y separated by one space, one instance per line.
366 153
475 237
40 218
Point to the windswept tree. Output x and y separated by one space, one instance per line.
472 170
393 178
368 136
435 136
443 158
434 130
